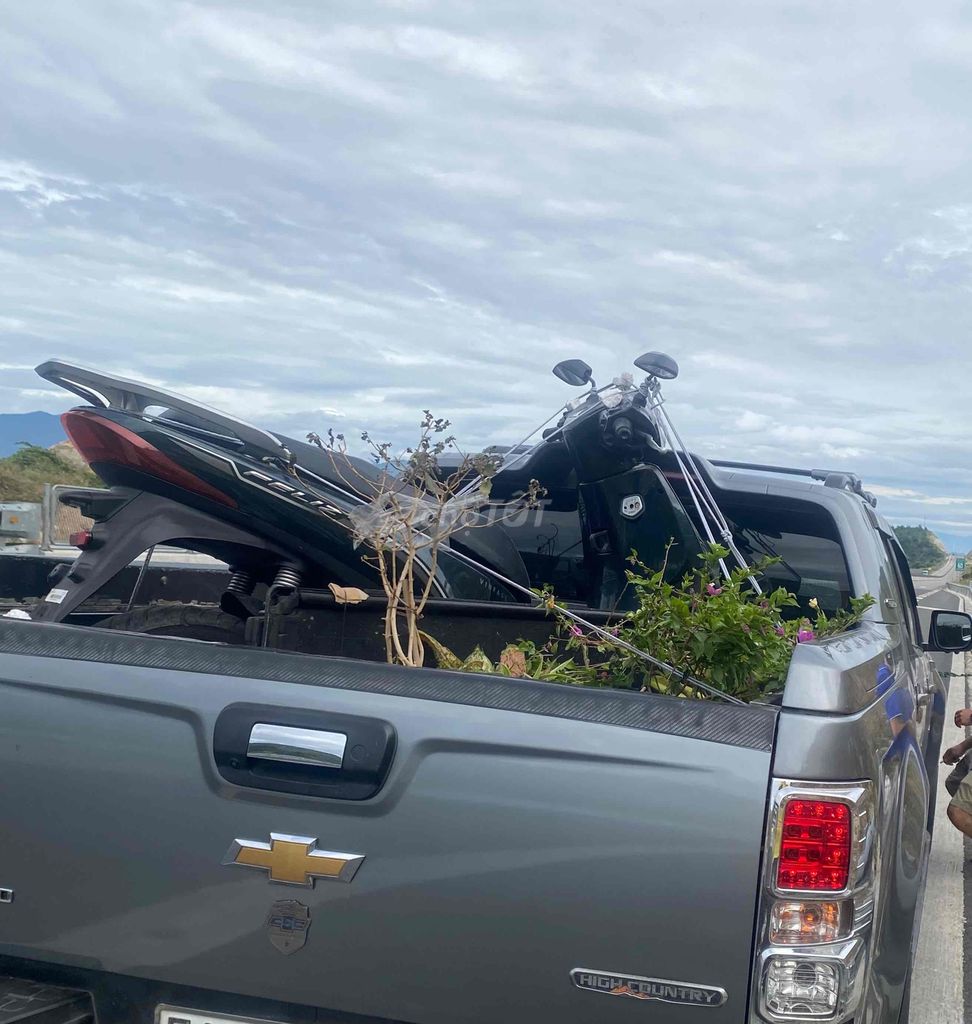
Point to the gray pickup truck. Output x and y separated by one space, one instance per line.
216 833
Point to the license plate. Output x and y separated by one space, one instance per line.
177 1015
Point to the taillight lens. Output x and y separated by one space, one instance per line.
815 847
800 989
80 539
101 440
798 922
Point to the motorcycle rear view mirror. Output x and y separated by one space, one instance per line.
658 365
574 372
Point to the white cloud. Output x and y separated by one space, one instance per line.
735 367
735 272
814 434
883 491
842 452
360 210
183 291
35 188
945 500
752 421
282 53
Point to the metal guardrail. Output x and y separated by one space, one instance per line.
60 520
20 523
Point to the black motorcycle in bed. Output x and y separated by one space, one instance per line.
275 511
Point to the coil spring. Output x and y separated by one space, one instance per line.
240 583
287 576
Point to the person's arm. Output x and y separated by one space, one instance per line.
956 753
963 718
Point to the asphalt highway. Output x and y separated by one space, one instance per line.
942 981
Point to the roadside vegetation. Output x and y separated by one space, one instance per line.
23 474
921 547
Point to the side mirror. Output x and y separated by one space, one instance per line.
574 372
658 365
950 632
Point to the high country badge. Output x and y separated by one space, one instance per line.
658 989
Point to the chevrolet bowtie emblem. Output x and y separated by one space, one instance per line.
293 860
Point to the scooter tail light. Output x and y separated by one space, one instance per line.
100 440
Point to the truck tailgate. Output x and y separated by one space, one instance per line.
523 831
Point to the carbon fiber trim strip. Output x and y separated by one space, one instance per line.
747 726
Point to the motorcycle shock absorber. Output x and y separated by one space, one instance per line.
237 598
287 578
241 583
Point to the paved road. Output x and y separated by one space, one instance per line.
942 986
936 581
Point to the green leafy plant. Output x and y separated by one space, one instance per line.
717 630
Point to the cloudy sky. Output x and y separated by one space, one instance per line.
342 212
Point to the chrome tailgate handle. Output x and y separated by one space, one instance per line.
310 752
294 745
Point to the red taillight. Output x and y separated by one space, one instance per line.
815 849
81 539
101 440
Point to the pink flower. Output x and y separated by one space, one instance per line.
780 631
805 636
576 631
746 628
712 590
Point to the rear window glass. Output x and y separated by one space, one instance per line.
812 563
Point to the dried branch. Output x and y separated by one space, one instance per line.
411 507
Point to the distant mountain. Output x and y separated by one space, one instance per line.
40 428
922 548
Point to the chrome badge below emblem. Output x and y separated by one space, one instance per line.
287 925
658 989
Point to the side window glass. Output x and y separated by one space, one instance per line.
905 591
908 589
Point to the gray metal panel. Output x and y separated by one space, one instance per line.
21 519
504 851
839 675
881 743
